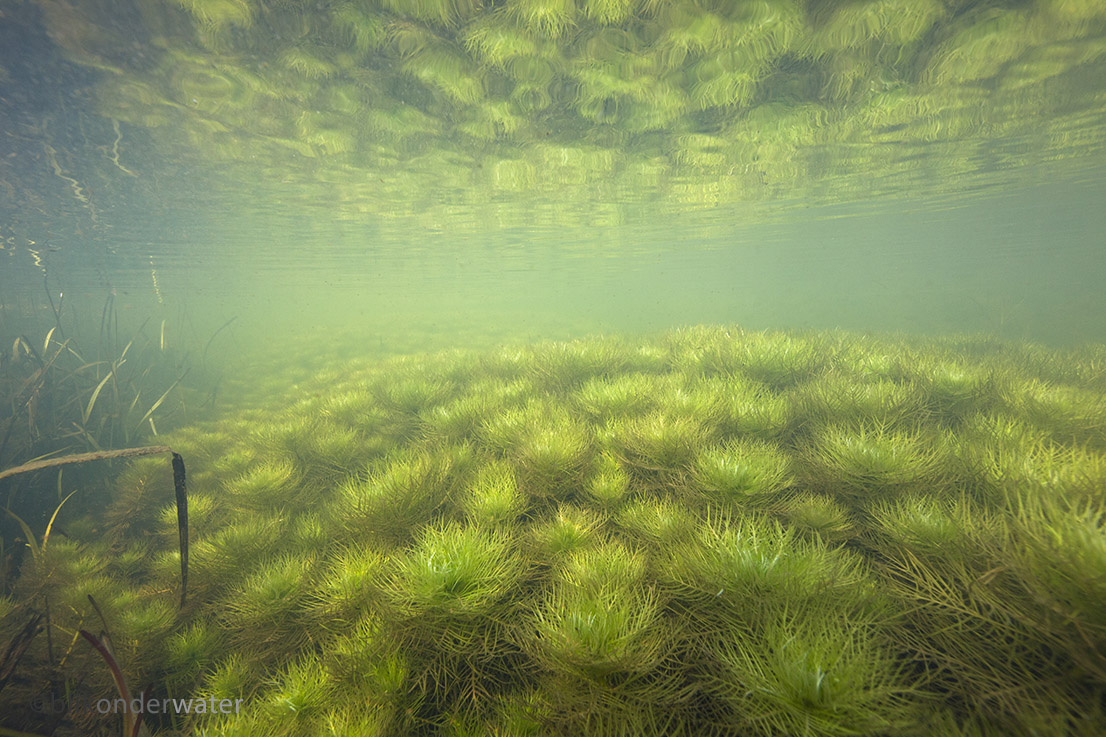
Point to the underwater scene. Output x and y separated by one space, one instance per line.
613 368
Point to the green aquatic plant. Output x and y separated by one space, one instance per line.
659 445
519 712
1059 554
566 531
598 619
836 398
348 587
687 30
449 598
658 523
264 617
527 99
818 514
66 571
397 495
141 629
131 561
506 429
506 174
448 72
309 535
234 460
412 393
609 487
929 527
496 43
1070 414
358 409
1011 462
872 462
301 692
813 674
778 360
550 18
1078 11
590 636
439 12
978 44
364 30
266 485
192 653
454 576
284 433
930 537
954 391
354 654
368 720
460 419
621 396
562 367
750 411
327 133
332 451
686 397
552 459
232 678
873 363
344 99
610 12
179 488
742 470
852 24
724 80
219 13
998 451
494 498
854 71
207 88
751 571
221 559
973 624
603 646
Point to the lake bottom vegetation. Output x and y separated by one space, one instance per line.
707 532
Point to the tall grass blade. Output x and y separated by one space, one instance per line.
15 649
92 400
123 356
31 543
102 647
54 516
224 326
161 399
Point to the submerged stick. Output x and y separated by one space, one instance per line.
98 455
182 521
179 488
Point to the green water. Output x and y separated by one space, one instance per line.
541 367
395 168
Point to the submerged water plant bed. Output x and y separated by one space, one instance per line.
713 532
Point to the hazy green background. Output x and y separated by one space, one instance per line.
969 231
